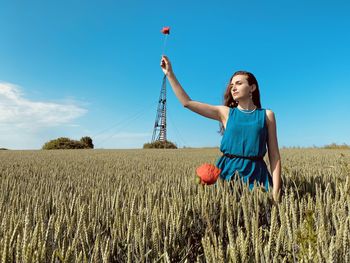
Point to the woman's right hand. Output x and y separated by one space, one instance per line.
166 65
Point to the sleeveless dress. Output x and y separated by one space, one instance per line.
245 135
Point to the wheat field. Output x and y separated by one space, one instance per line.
144 206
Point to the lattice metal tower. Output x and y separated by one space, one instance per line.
159 131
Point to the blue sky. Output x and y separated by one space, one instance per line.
77 68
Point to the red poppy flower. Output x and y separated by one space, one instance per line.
166 30
208 173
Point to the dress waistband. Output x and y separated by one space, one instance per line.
253 158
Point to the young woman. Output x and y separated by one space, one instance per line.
246 127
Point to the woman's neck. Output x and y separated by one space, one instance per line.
246 105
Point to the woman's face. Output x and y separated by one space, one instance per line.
240 87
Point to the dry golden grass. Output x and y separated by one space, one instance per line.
144 206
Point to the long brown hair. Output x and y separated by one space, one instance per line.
230 102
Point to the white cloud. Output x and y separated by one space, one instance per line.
17 111
27 124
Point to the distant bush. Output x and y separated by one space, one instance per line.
160 145
87 141
66 143
2 149
337 146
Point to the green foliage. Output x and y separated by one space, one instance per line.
66 143
307 239
337 146
160 145
87 141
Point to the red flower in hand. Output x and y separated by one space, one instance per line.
166 30
208 173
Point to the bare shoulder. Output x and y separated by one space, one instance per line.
270 117
224 109
224 113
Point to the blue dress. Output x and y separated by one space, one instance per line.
245 135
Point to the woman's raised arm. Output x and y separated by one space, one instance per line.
219 112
